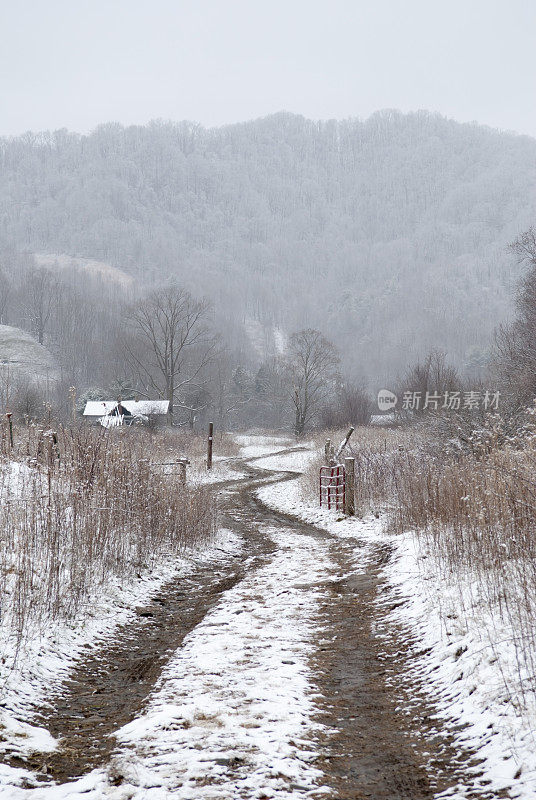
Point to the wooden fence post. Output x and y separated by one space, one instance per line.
329 454
209 448
72 395
349 494
343 444
10 426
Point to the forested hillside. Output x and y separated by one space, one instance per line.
389 235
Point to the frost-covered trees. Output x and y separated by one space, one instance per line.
433 376
351 404
515 352
40 293
385 232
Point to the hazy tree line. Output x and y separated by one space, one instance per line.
515 344
387 235
109 341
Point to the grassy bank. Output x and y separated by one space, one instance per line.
473 507
81 506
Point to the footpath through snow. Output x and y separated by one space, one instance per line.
232 713
235 712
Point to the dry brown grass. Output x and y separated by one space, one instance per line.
374 450
177 442
84 507
476 510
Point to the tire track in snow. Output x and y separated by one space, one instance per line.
280 687
233 715
257 638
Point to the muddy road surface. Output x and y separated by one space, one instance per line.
369 739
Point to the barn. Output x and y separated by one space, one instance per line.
110 413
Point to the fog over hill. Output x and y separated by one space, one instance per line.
388 234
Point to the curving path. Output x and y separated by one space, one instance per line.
260 676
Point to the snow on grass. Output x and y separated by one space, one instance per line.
222 470
288 497
470 665
261 448
295 462
254 445
232 715
465 655
35 670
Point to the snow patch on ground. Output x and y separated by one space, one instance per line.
253 446
222 470
287 497
280 341
295 462
61 261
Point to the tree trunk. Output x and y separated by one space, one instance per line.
171 398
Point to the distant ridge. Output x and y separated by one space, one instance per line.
389 234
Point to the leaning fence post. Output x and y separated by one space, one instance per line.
209 444
349 494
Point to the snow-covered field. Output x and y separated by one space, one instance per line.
255 446
222 470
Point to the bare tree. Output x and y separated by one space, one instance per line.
515 345
350 406
168 343
433 376
40 292
313 361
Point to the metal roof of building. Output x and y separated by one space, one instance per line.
99 408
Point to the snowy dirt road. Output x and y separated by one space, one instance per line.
264 675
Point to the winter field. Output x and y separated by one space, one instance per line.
241 708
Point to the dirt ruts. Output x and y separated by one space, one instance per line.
109 687
384 743
372 749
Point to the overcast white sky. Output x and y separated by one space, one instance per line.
77 63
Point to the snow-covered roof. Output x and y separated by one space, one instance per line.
382 419
99 408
